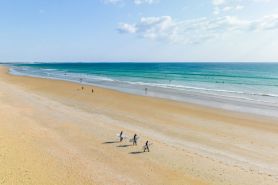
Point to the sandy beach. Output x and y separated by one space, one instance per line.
53 132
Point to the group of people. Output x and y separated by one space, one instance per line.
82 88
134 141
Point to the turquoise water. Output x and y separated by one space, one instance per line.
236 86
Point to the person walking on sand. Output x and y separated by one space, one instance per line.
121 136
146 147
134 140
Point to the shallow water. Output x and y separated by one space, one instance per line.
243 87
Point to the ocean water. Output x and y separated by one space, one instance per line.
242 87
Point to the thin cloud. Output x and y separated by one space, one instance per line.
224 6
112 1
136 2
195 31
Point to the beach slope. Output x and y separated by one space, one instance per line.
53 132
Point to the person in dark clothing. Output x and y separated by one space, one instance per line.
121 136
135 139
146 147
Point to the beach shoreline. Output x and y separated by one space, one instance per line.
231 92
72 128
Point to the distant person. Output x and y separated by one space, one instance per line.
121 136
146 91
134 140
146 147
92 90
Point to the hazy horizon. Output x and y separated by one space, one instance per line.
145 62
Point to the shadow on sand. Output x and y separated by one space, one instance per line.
111 142
138 152
123 146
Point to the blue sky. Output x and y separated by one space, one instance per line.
138 30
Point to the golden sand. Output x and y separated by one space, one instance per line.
53 132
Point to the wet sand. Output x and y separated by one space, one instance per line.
53 132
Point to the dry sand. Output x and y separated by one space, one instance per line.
52 132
